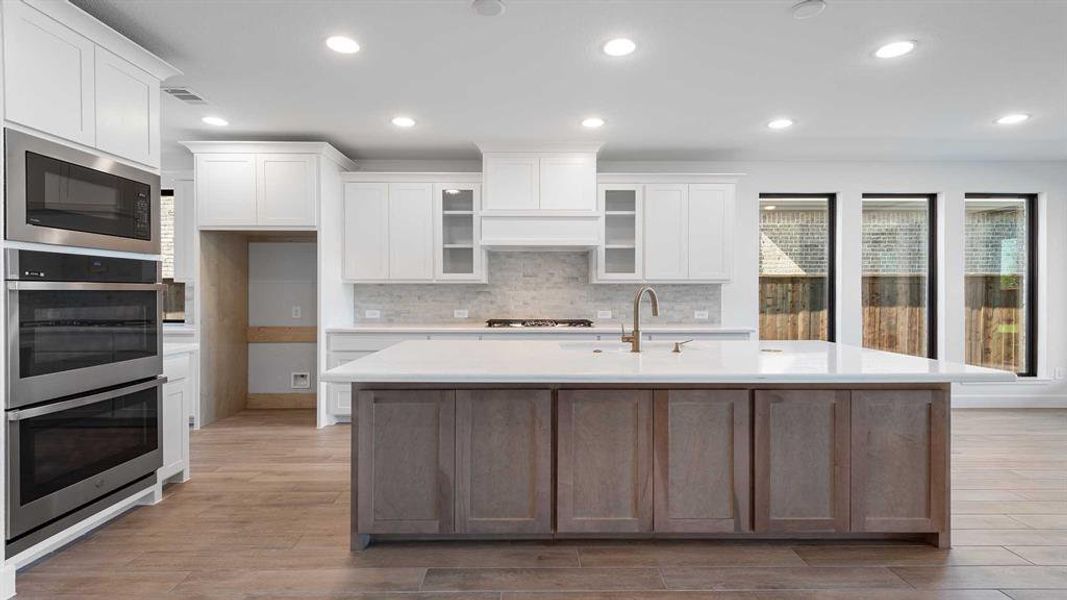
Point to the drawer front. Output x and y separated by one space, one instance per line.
369 343
176 368
339 398
336 359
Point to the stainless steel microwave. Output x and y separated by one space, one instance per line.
59 195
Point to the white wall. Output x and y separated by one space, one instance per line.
281 275
950 180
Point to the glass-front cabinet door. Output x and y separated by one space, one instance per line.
459 254
619 256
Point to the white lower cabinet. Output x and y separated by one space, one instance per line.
179 393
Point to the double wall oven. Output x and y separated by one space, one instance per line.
83 385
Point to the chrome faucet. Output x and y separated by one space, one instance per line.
635 336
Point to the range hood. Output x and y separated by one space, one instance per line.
539 196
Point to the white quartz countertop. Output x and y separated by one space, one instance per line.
727 361
480 327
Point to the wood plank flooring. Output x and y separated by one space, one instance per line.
266 517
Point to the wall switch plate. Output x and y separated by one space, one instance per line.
300 381
700 315
461 313
297 311
372 314
603 314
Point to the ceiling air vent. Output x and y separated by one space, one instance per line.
185 95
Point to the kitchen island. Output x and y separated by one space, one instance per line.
733 439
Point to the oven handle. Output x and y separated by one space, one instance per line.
28 413
81 285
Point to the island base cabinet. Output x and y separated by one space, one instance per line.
504 461
801 461
406 462
604 461
900 461
702 461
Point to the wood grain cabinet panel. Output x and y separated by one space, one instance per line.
801 460
702 461
604 461
899 460
503 461
406 461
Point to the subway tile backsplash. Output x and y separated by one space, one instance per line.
531 284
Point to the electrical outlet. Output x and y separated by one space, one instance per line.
700 315
372 314
297 311
300 381
460 313
603 314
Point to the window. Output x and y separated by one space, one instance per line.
173 292
899 273
1000 266
796 276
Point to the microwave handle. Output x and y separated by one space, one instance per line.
52 286
28 413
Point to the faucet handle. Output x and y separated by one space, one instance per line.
624 337
678 346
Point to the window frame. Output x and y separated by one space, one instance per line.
1030 315
931 263
831 251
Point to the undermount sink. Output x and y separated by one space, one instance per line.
615 347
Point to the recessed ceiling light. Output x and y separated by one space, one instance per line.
592 122
216 121
895 49
780 124
770 207
342 44
488 8
1013 119
619 47
808 9
403 122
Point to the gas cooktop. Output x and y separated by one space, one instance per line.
539 323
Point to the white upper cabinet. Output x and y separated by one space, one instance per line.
225 190
539 182
70 76
127 109
184 231
260 185
48 75
411 228
512 182
411 240
710 232
659 228
286 191
568 182
666 231
366 232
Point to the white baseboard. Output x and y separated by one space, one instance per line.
1000 401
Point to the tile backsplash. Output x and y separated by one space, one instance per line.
531 284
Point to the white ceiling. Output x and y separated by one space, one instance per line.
704 81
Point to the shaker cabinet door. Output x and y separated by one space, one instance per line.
503 461
406 461
666 243
710 223
127 109
801 460
366 231
411 231
48 75
604 461
226 190
899 460
702 461
287 190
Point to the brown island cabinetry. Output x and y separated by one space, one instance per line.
511 462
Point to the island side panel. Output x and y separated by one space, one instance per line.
900 461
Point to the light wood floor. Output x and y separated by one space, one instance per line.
266 516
